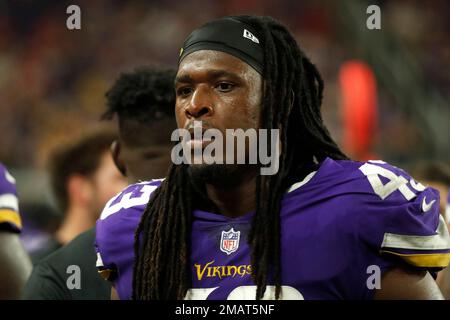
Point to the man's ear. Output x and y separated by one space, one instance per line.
116 155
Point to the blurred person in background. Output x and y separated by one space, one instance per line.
40 221
83 178
143 101
437 175
15 265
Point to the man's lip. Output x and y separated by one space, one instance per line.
195 143
192 130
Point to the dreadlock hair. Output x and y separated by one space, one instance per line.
144 95
291 102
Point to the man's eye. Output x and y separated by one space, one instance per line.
185 91
225 86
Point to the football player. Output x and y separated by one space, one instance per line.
143 103
15 265
322 227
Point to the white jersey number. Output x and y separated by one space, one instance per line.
127 201
373 174
246 293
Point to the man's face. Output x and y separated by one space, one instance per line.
221 91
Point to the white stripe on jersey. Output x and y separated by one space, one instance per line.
9 177
439 241
99 262
9 201
297 185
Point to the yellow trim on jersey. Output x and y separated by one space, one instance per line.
430 260
10 216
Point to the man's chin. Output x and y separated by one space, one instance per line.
225 175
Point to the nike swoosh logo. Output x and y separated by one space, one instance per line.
427 206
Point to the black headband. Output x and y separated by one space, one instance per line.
227 35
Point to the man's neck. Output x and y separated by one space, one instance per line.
233 201
74 223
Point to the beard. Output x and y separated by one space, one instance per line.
219 175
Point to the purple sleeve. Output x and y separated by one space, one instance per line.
9 204
401 218
115 231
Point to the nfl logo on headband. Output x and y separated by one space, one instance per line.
229 242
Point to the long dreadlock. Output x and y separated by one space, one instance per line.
291 102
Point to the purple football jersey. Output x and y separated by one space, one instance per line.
9 204
447 208
338 225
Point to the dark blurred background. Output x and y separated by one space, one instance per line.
53 80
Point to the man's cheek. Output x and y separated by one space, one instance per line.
179 115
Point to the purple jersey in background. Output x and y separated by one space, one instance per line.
337 225
447 208
9 204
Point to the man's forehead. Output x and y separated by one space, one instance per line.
213 64
229 35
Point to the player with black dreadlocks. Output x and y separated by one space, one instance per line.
310 231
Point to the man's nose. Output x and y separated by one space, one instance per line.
201 104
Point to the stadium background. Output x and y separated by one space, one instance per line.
53 80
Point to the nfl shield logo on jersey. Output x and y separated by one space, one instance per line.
229 242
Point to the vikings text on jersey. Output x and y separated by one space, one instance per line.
337 223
